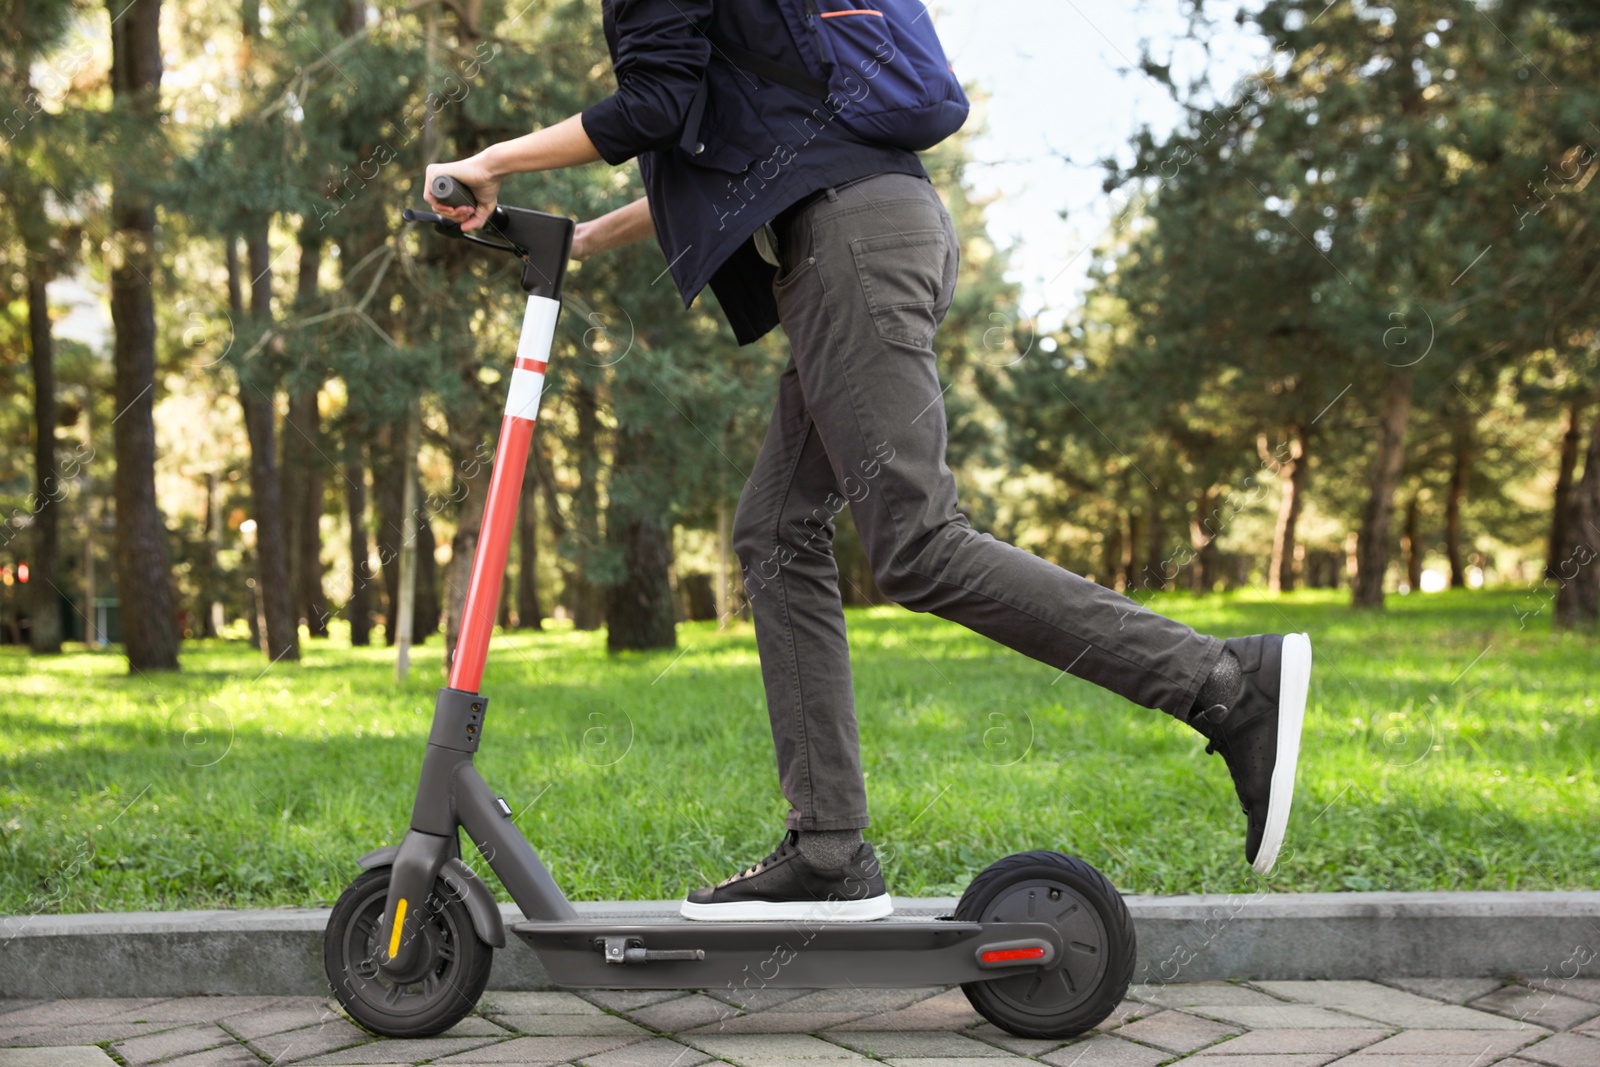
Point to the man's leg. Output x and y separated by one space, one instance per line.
783 535
872 273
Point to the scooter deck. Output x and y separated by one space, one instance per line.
659 949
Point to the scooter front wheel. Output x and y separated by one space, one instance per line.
1089 980
444 983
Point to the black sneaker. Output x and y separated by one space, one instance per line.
1259 735
785 888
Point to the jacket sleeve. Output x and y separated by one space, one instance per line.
660 59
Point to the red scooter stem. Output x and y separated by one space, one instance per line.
494 546
505 492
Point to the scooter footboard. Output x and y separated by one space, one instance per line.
909 951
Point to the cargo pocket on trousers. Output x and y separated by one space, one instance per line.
902 277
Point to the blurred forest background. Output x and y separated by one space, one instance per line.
1344 334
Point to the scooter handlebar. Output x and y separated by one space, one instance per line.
543 241
446 190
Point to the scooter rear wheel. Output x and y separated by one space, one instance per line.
1090 979
449 975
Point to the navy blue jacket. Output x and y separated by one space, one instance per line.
716 173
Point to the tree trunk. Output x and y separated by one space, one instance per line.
425 606
1136 546
209 601
639 609
1414 550
1578 595
472 473
252 612
388 500
639 612
358 609
302 503
280 636
1111 554
1560 512
530 612
144 576
1294 472
1372 551
350 16
302 464
463 547
1461 447
230 255
1202 540
389 474
1154 578
406 601
587 609
722 590
554 519
44 608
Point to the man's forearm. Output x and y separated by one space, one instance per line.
614 229
624 226
563 145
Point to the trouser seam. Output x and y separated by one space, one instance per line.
794 652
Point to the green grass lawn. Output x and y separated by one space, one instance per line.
1446 749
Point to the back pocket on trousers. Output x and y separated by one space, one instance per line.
902 277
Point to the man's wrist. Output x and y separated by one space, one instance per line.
493 159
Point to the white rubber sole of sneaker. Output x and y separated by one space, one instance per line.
1293 683
838 911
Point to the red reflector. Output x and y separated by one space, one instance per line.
1000 955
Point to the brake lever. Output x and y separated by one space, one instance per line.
451 228
515 250
447 227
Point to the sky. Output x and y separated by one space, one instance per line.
1065 92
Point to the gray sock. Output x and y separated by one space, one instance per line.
828 850
1222 685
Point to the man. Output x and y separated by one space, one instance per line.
761 192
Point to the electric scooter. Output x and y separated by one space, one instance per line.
1041 942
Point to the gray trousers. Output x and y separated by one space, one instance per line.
868 272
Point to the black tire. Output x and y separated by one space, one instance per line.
442 987
1090 979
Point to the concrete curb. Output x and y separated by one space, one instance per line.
1181 939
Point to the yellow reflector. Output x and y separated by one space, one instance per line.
399 923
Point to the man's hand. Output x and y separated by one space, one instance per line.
562 145
584 239
475 174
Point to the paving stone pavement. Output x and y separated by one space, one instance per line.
1399 1023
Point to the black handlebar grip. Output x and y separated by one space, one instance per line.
452 193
